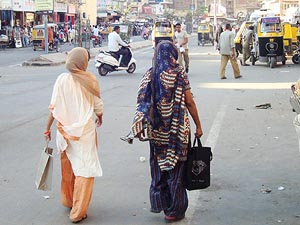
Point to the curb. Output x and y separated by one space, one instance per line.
94 51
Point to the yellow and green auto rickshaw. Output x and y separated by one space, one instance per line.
287 38
163 29
205 34
268 45
38 35
239 36
294 27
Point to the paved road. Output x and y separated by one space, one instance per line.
254 149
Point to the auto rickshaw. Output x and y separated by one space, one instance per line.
239 36
162 30
268 44
205 34
125 31
294 35
295 57
38 35
287 38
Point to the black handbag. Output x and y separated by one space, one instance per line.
197 166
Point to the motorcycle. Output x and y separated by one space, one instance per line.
146 36
96 40
295 57
107 62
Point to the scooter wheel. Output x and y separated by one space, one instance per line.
102 71
131 68
295 59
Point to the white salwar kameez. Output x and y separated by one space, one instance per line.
74 110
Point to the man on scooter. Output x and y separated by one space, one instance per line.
114 43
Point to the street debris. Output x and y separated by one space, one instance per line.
281 188
266 190
142 159
240 109
263 106
276 137
46 196
268 128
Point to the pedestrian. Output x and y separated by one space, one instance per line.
247 43
181 41
227 51
163 102
75 100
219 31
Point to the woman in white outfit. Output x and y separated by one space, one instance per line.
76 105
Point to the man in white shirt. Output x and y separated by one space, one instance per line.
227 51
114 43
181 41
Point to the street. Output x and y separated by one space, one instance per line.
254 172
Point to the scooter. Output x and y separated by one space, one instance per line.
107 62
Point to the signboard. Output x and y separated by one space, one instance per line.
5 4
23 5
44 5
60 7
270 20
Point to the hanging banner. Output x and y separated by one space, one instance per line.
44 5
23 5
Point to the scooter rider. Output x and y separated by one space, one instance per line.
114 42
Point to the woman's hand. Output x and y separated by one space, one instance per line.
47 135
98 120
198 132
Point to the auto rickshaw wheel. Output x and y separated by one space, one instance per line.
253 60
295 59
198 43
272 62
102 71
283 62
131 68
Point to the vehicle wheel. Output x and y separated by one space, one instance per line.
198 43
102 71
252 60
283 62
131 68
295 59
272 62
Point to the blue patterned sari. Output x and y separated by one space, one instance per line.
161 109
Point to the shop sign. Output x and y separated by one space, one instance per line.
60 7
71 9
23 5
44 5
5 4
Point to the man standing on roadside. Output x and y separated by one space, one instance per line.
227 51
181 41
247 43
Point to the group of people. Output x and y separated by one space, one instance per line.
77 107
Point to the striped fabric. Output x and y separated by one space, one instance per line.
166 191
161 108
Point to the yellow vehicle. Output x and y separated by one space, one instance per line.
298 36
239 36
162 30
287 38
268 45
205 34
38 35
294 35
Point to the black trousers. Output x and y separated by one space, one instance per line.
126 56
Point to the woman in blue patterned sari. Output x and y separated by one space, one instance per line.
163 102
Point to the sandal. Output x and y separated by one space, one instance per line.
78 221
